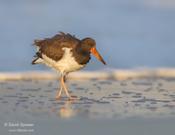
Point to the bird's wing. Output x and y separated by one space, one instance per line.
52 47
52 50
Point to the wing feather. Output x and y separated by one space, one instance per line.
52 47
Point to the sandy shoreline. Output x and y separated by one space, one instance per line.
146 97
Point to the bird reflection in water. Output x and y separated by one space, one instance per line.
67 110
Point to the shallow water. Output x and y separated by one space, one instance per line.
128 34
134 106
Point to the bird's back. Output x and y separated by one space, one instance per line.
60 39
52 47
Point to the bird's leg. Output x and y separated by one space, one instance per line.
66 90
58 96
64 86
59 91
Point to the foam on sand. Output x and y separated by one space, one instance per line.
113 74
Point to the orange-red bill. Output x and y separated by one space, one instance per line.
97 55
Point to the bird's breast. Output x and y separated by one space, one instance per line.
67 63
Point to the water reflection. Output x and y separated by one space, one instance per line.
67 111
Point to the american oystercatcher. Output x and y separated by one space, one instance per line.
65 53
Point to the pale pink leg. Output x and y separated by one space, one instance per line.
65 89
58 96
64 86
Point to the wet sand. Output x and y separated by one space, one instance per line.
105 106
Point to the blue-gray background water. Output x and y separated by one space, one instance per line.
129 34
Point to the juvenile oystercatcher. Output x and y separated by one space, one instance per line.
65 53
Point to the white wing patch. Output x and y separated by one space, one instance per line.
38 61
66 64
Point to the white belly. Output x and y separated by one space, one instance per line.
66 64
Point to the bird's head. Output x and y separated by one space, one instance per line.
89 45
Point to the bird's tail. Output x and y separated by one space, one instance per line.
37 59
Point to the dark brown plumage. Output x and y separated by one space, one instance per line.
52 47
